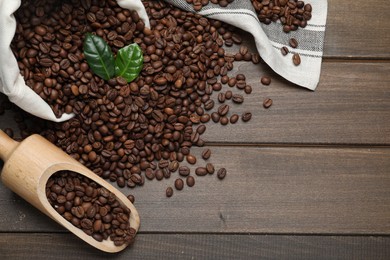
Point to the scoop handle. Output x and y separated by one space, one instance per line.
7 145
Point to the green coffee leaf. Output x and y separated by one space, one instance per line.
129 61
99 56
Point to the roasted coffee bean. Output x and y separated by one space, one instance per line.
223 110
265 80
221 97
201 129
169 192
210 168
267 103
221 173
237 98
179 184
206 154
284 50
293 43
224 120
228 94
173 166
296 59
131 198
201 171
191 159
190 181
184 171
248 89
234 118
245 117
215 117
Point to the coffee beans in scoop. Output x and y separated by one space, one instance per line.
90 207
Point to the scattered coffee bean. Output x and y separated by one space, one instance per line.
296 59
179 184
131 198
228 94
190 181
237 98
215 117
206 154
223 110
284 50
267 103
184 171
234 118
221 97
224 120
191 159
221 173
245 117
169 192
293 43
210 168
265 80
201 171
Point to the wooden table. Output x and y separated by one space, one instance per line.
308 178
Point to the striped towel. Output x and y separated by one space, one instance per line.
271 38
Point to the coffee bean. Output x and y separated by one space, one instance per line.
267 103
284 50
296 59
234 118
210 168
223 110
245 117
201 171
206 154
131 198
190 181
191 159
221 97
293 43
224 120
228 94
221 173
173 166
265 80
201 129
215 117
179 184
184 171
248 89
169 192
237 98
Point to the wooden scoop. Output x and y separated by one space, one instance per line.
29 164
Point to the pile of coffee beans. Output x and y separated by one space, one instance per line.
90 207
291 13
198 4
142 130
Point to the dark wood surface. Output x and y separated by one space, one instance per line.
308 178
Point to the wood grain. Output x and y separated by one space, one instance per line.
357 29
267 190
200 246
